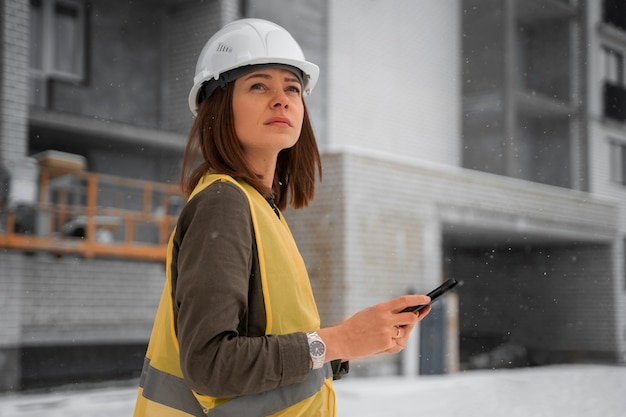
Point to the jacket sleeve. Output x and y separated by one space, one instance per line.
213 252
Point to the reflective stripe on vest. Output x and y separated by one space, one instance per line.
171 391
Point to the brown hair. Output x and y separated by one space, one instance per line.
213 145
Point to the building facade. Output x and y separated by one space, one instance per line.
482 140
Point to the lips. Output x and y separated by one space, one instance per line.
279 121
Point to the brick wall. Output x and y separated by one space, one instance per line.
69 319
14 20
10 319
319 232
14 79
71 299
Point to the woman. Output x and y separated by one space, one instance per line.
237 332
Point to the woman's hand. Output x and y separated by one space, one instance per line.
378 329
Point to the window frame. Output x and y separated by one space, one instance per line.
617 161
614 63
43 50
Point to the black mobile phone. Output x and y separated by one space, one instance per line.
434 294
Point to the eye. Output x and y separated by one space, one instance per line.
293 89
258 86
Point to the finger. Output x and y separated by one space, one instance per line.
424 312
393 348
408 328
407 319
419 315
402 334
400 303
398 332
397 347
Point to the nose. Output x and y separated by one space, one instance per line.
280 99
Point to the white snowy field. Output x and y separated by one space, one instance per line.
554 391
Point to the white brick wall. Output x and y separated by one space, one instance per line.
14 79
71 299
10 299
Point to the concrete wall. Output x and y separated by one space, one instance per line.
124 68
483 75
141 61
602 131
189 25
394 79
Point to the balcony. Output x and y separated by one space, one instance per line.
93 215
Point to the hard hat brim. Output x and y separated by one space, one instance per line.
310 75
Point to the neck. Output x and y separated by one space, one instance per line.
265 167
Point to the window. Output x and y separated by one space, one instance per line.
614 13
613 66
624 276
618 161
56 44
614 94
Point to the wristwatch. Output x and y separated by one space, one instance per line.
317 349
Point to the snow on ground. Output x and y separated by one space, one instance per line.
554 391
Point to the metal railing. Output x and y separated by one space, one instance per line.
94 215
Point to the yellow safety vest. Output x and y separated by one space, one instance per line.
290 307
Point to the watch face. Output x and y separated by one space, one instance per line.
317 349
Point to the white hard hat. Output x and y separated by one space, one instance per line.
249 42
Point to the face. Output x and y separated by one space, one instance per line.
268 111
